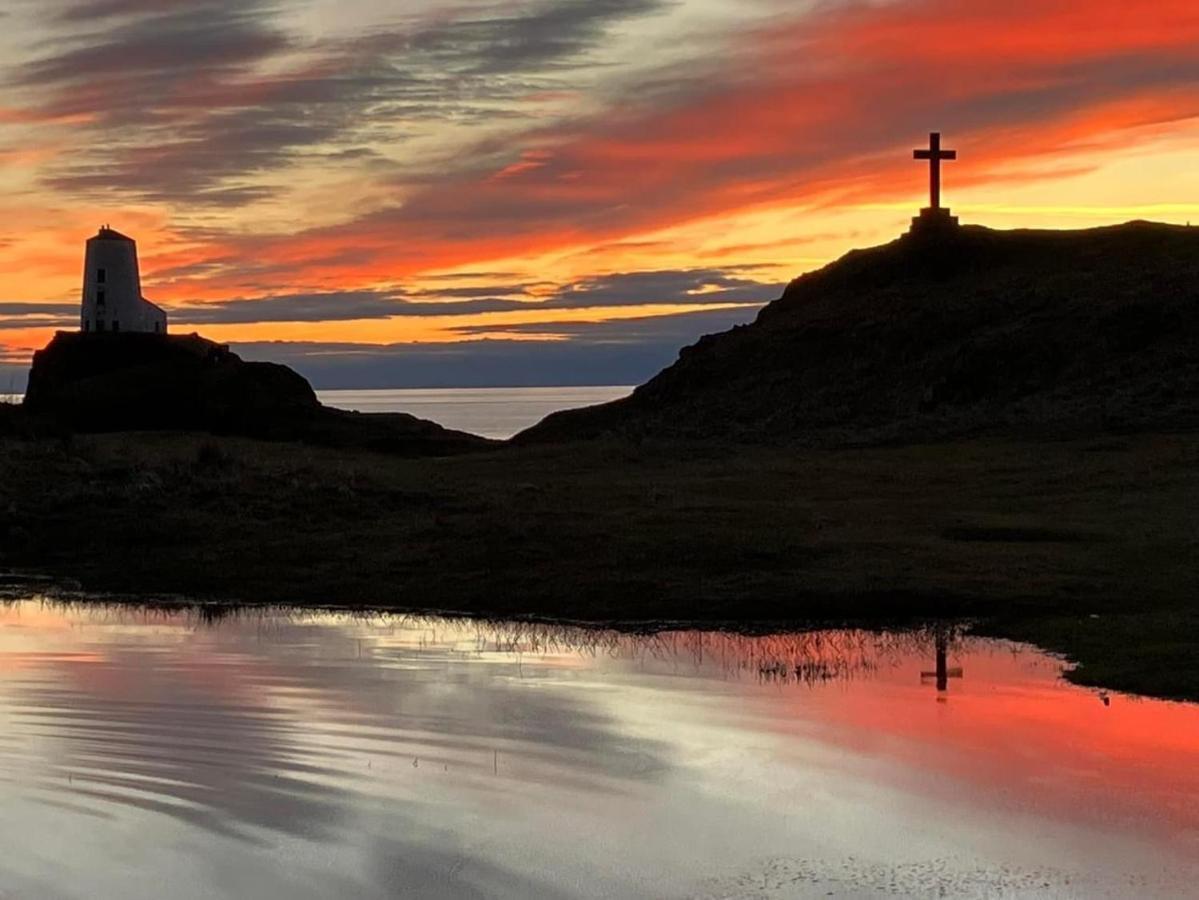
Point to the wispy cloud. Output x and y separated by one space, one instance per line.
24 316
197 102
23 308
332 307
685 287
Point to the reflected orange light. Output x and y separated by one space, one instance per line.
1040 746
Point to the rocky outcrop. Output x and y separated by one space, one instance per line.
118 382
978 331
123 382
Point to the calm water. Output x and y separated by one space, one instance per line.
277 755
491 412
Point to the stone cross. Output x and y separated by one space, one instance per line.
934 154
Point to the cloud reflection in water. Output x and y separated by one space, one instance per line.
282 754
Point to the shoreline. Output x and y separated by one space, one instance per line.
56 592
215 609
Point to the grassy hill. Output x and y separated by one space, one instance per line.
1044 332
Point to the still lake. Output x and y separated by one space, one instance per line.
490 412
291 754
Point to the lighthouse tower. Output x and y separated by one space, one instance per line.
112 288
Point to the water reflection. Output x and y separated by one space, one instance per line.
943 672
274 753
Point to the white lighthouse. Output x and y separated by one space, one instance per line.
112 288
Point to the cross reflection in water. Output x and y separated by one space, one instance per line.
942 673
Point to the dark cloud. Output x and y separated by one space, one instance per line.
553 32
687 287
511 289
96 10
30 322
205 37
505 277
176 106
22 315
674 330
331 307
23 308
183 108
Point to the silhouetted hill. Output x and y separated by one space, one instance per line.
984 330
129 382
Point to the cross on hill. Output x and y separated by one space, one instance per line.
935 220
934 154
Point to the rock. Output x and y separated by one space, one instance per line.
119 382
130 382
977 331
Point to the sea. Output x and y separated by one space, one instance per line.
490 412
288 754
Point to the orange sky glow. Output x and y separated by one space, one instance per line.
533 165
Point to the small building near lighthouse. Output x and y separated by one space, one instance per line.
112 288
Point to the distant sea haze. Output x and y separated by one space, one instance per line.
490 412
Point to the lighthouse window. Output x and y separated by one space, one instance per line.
116 326
100 297
101 276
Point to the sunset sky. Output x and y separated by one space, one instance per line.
470 192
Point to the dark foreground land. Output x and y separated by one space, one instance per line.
1087 547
